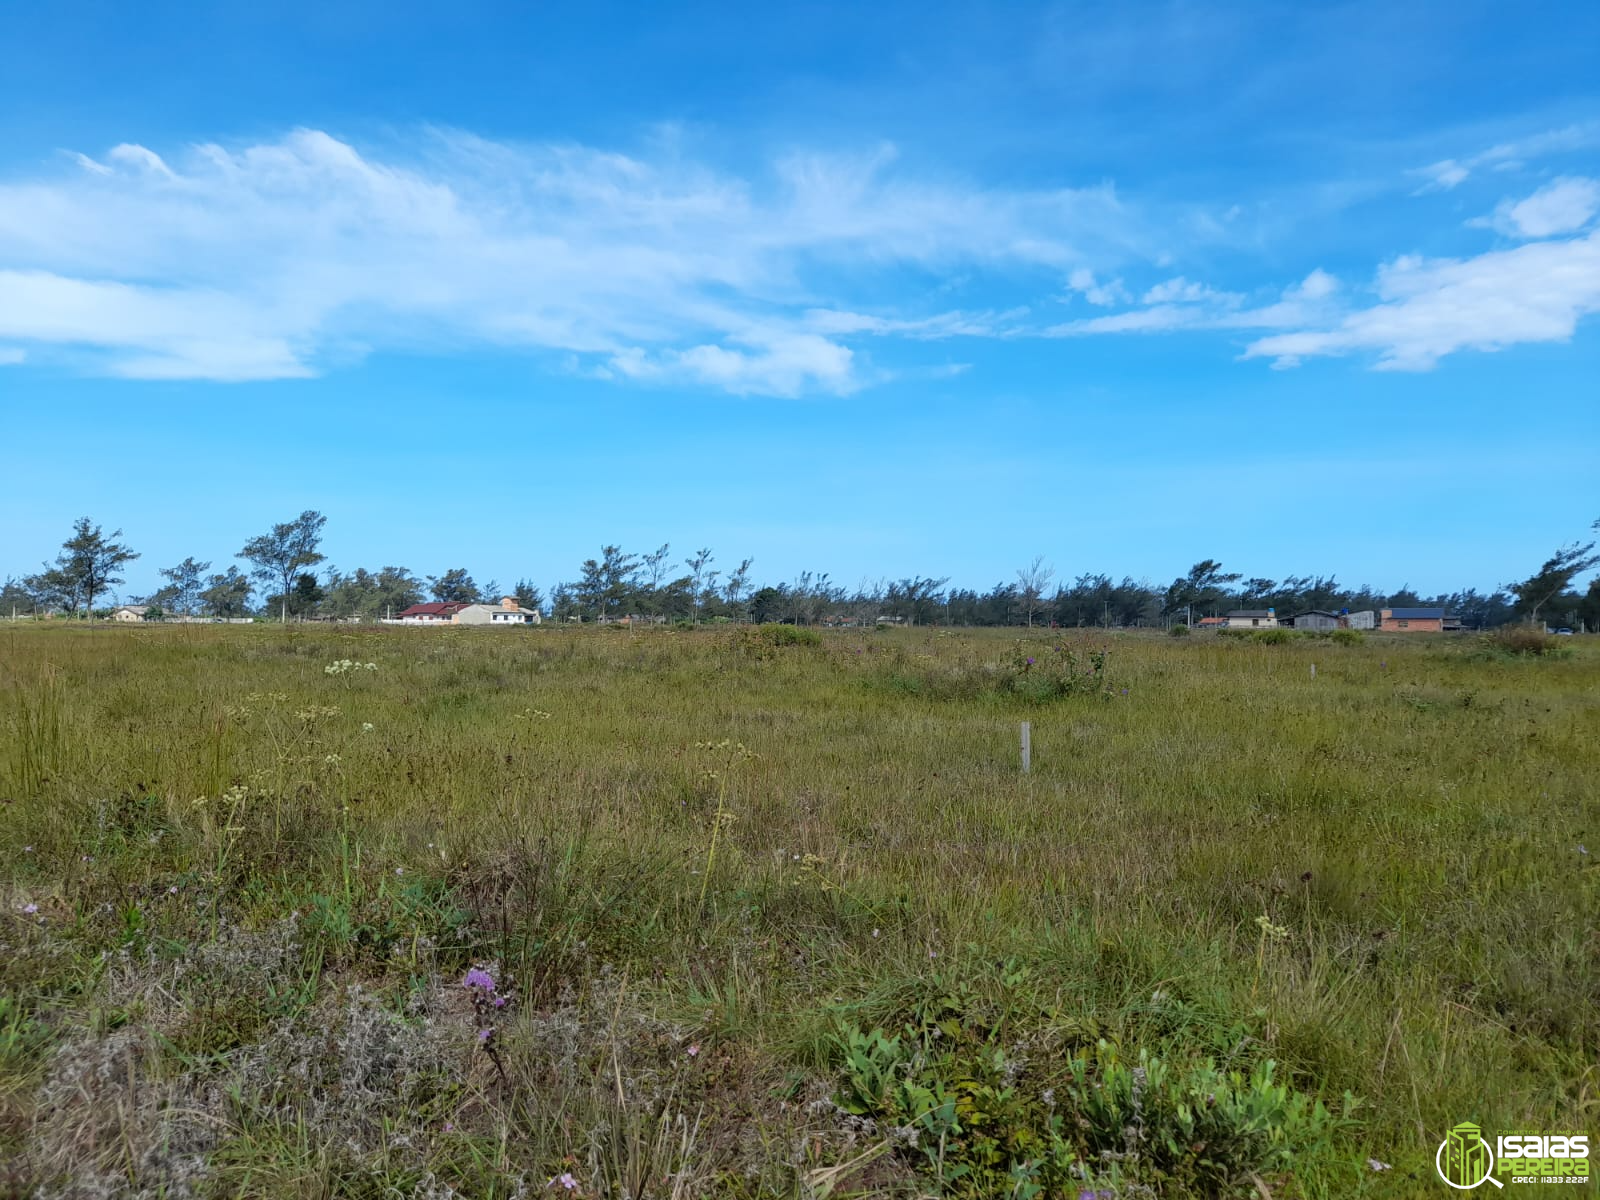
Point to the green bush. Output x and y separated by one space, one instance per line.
1523 641
1347 637
983 1127
1178 631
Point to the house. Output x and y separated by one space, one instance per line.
507 612
1365 619
1416 620
1211 622
1316 618
129 612
431 614
1252 618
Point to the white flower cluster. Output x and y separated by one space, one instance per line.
344 665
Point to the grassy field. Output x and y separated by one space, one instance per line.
762 913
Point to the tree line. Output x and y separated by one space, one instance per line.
285 577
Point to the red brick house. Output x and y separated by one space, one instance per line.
1412 620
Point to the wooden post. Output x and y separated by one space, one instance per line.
1313 670
1027 747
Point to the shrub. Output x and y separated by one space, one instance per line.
1522 641
1347 637
1272 637
765 641
1178 631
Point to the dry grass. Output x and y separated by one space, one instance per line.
258 885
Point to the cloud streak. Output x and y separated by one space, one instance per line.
272 260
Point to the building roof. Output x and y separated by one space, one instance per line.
1252 612
447 609
1415 614
1314 612
141 609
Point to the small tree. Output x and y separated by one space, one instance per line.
281 555
184 585
1032 581
88 563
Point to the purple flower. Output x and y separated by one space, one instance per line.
30 909
479 978
566 1180
499 1001
485 1034
1030 660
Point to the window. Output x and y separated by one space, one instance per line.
1403 624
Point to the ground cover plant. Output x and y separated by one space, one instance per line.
317 911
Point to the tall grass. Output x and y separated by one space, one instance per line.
781 915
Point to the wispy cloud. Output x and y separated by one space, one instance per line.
10 356
1451 173
271 260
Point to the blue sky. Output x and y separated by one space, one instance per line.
867 289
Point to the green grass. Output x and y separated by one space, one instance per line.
903 967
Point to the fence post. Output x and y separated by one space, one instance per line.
1027 747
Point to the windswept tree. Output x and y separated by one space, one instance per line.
697 564
88 563
1205 587
1554 577
736 586
528 595
185 582
916 599
279 556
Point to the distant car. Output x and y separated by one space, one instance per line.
1563 633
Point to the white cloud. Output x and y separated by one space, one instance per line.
1429 308
1102 295
1183 291
10 356
1562 206
274 259
1318 285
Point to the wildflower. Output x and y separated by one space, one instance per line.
1269 930
499 1001
27 849
1030 660
479 978
485 1034
693 1050
366 727
1375 1165
399 870
875 933
566 1180
173 890
30 909
449 1127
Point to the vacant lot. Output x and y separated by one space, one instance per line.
758 913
